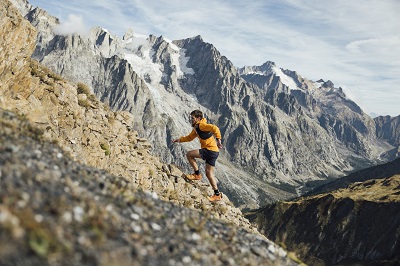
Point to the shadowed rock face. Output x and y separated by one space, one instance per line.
388 129
357 224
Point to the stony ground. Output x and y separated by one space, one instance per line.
54 211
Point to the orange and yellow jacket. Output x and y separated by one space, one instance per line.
209 143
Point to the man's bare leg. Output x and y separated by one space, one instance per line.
191 156
210 176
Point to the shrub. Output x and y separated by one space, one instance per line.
83 88
106 148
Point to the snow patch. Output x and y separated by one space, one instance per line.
317 84
285 79
138 54
183 60
172 45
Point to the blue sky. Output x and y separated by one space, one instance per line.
355 44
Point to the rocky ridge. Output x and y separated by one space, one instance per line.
375 172
356 224
270 117
57 209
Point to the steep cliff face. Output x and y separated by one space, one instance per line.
19 38
388 129
282 132
342 119
356 224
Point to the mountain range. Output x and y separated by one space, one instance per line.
284 134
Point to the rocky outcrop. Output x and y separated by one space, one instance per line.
79 186
359 224
19 38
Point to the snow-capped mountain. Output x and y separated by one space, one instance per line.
283 133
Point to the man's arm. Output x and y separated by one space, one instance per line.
187 138
219 143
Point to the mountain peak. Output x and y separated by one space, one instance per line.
264 69
198 37
128 34
328 84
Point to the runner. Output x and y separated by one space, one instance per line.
209 149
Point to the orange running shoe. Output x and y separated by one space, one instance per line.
193 177
215 197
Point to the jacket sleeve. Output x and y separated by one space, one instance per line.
192 135
210 128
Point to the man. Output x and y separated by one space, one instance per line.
209 149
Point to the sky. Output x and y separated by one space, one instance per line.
353 43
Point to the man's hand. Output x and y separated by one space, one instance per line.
219 144
175 140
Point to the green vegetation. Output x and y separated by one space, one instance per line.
39 242
91 98
106 148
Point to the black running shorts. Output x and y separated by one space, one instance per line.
209 156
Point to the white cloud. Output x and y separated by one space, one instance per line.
74 24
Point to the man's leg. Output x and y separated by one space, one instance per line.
210 176
191 156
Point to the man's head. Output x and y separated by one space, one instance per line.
197 113
196 116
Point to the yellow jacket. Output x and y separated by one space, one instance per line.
210 143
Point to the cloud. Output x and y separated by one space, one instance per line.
74 24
